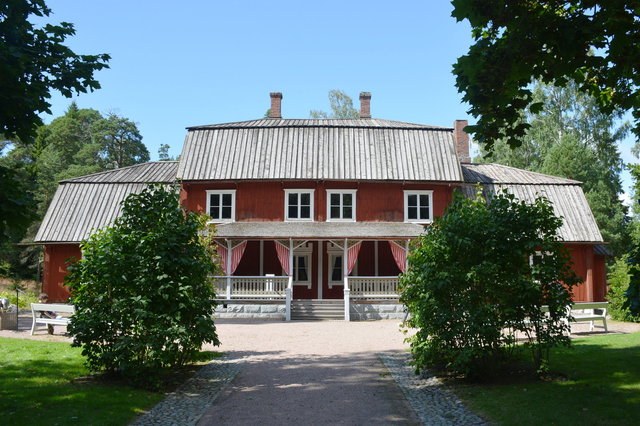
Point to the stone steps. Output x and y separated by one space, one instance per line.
317 310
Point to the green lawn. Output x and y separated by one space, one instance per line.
602 387
38 386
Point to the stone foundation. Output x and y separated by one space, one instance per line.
376 310
256 310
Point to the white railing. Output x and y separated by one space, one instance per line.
239 287
374 287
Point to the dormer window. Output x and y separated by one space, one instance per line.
298 204
221 205
341 205
418 206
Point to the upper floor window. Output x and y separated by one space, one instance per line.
341 205
298 204
221 205
418 206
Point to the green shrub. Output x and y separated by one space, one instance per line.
25 300
141 290
483 268
619 279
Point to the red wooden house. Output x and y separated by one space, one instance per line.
315 216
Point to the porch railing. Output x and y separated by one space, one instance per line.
250 287
374 287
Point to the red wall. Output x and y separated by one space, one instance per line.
592 269
54 270
264 201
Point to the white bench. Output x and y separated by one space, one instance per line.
58 308
588 313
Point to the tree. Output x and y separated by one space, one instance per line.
480 274
120 142
341 107
163 153
572 138
33 62
141 290
593 43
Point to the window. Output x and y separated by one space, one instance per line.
301 269
341 205
221 205
335 266
298 204
418 206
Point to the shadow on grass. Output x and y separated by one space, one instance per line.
601 386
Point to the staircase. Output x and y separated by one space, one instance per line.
317 310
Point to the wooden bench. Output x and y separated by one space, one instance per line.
58 308
590 315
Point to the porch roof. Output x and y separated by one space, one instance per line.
319 230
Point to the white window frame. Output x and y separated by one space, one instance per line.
332 252
311 193
406 205
233 204
341 192
304 251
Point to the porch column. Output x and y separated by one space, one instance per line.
345 272
229 255
406 255
289 290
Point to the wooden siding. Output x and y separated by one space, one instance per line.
591 268
264 201
54 271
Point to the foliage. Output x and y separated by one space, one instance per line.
572 138
618 280
141 289
120 142
598 382
25 300
163 153
341 107
34 61
632 301
590 42
487 266
45 383
16 205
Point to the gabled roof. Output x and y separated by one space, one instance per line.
358 149
90 202
567 197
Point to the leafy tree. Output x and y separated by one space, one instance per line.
572 138
163 153
484 267
34 61
120 142
618 280
516 42
341 107
141 289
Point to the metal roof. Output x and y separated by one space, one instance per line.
359 149
156 171
497 173
83 204
318 230
568 201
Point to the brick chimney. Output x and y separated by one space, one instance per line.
365 105
461 139
276 102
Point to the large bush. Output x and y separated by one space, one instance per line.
619 280
478 278
141 289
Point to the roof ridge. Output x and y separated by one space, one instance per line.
565 181
378 123
115 170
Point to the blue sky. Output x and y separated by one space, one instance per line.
179 64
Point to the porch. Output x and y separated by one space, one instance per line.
360 267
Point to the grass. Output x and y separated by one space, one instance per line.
46 383
601 385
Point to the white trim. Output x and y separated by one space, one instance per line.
408 192
233 204
288 191
307 251
353 205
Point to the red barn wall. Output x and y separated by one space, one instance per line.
264 201
54 269
591 268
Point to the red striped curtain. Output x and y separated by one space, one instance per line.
399 255
352 254
236 256
283 256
